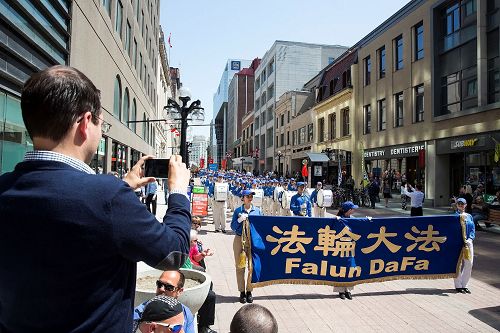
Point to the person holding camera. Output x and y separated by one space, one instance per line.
81 241
241 248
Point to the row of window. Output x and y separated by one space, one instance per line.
381 119
398 56
266 72
131 46
264 98
127 112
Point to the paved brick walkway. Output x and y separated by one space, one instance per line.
395 306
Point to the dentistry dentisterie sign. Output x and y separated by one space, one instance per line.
346 252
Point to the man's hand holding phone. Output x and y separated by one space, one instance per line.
135 177
178 175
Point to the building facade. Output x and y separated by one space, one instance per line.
198 150
428 96
286 66
220 108
240 103
123 64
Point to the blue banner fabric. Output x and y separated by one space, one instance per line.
346 252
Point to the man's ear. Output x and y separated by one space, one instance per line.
84 124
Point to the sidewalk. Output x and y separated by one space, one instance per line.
395 306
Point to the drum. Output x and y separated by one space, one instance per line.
325 198
221 191
277 192
286 197
258 197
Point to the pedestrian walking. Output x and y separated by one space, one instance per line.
404 198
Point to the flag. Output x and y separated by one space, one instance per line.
175 131
169 37
339 180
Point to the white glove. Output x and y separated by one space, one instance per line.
369 218
242 217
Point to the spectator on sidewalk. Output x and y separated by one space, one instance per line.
195 255
404 198
163 314
253 318
386 191
416 199
84 238
480 212
171 283
373 191
465 272
151 196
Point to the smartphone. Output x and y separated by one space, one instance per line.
157 167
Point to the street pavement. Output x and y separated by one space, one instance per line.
393 306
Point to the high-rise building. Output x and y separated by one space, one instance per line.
198 150
240 104
286 66
220 100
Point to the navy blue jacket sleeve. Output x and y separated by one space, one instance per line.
139 236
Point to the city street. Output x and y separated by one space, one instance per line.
403 305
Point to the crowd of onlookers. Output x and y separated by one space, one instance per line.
476 204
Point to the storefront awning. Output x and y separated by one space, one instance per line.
318 157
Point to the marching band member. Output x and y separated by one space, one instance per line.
317 211
241 245
291 185
345 211
465 271
300 204
219 208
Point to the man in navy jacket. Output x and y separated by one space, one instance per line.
70 239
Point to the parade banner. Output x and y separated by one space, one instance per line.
199 204
346 252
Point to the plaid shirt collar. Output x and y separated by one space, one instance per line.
44 155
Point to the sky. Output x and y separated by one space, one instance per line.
205 33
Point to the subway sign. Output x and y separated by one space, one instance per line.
457 144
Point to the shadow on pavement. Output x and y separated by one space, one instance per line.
412 291
489 316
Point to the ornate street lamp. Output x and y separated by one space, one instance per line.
175 111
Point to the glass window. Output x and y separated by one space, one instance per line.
368 70
398 115
117 102
133 116
345 122
419 41
126 108
107 5
14 139
398 55
381 64
119 17
310 133
128 35
368 119
134 52
332 119
99 160
321 129
419 103
450 93
382 115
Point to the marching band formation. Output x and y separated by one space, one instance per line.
273 196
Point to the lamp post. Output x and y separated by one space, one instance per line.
279 155
181 112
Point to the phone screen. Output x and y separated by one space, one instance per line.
157 168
